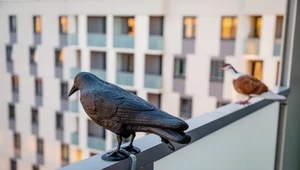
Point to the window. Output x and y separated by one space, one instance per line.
156 26
32 55
65 152
128 25
255 69
189 27
40 146
125 62
179 67
63 24
37 24
255 23
12 112
9 53
185 108
17 141
13 164
229 26
34 167
59 57
64 90
59 121
279 26
97 25
15 83
38 87
131 28
34 116
12 24
98 60
216 74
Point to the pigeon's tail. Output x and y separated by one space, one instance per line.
269 95
172 135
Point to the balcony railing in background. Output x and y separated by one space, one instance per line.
125 78
153 81
96 142
251 46
74 71
73 39
123 41
226 135
156 42
277 47
74 106
95 39
99 73
75 138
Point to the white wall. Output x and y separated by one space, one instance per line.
240 145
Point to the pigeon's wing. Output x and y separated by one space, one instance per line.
249 85
133 110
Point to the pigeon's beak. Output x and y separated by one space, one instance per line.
73 90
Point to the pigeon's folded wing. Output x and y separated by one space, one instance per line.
131 109
249 85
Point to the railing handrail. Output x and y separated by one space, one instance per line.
152 149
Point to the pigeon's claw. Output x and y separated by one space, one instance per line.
243 102
132 149
115 156
170 145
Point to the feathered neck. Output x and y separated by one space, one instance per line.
233 70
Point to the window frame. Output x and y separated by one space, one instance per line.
12 27
181 69
215 65
231 29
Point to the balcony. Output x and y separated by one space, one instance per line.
99 73
33 69
75 138
13 37
74 71
98 40
73 39
74 106
35 129
96 142
227 136
37 38
156 42
153 81
251 46
15 96
277 47
125 78
9 66
12 124
123 41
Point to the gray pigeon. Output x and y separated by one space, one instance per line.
124 114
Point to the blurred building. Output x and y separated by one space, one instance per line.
167 52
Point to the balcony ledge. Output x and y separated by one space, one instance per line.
152 149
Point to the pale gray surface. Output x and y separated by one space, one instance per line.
227 48
216 89
188 46
179 85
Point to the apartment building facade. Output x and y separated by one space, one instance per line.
167 52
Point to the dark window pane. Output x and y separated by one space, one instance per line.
40 146
59 121
12 24
13 164
9 53
17 140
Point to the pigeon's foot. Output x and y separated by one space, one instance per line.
243 102
170 146
114 156
132 149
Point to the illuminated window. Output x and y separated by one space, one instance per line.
216 74
65 152
189 27
131 28
38 87
279 26
78 155
255 23
229 25
15 83
37 24
255 69
63 24
179 67
59 57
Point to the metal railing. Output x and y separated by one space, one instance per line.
277 47
96 142
125 78
73 39
123 41
156 42
75 138
95 39
153 81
